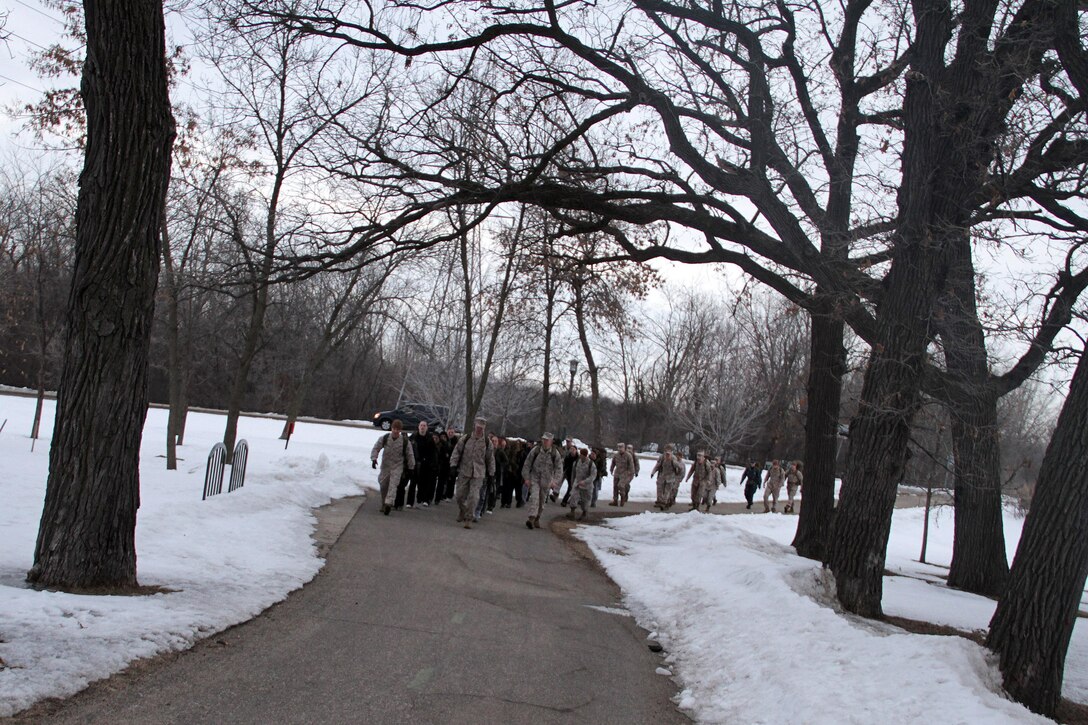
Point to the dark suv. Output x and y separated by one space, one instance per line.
412 414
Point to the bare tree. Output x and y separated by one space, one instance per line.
277 87
192 200
38 242
599 297
342 303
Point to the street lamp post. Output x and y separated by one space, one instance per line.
570 398
691 437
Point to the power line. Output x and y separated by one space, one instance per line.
26 40
20 83
41 12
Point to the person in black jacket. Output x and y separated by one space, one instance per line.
511 472
568 470
599 457
421 480
750 479
445 479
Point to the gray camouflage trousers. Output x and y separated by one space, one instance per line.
580 498
621 487
387 484
663 490
541 491
705 496
467 495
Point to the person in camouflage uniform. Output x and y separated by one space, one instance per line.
772 486
719 480
623 471
543 472
474 459
398 457
794 480
585 472
669 470
702 477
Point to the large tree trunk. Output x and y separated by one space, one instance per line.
880 431
1034 619
87 535
942 160
979 562
827 363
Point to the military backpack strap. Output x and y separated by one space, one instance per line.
459 449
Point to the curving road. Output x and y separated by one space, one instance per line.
412 620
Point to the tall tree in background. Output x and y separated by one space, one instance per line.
599 298
340 305
277 88
37 244
87 534
190 203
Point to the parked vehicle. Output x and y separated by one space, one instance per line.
412 414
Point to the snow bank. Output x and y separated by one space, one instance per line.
225 559
753 634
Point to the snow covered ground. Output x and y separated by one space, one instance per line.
226 558
751 632
756 635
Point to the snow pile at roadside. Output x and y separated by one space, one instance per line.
753 635
919 592
224 560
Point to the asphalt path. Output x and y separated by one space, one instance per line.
413 620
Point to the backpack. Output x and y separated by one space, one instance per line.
461 446
535 453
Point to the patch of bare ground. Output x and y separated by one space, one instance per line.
137 591
563 528
1072 713
919 627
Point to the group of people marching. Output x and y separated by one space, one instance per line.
479 471
772 485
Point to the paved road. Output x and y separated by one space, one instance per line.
413 619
